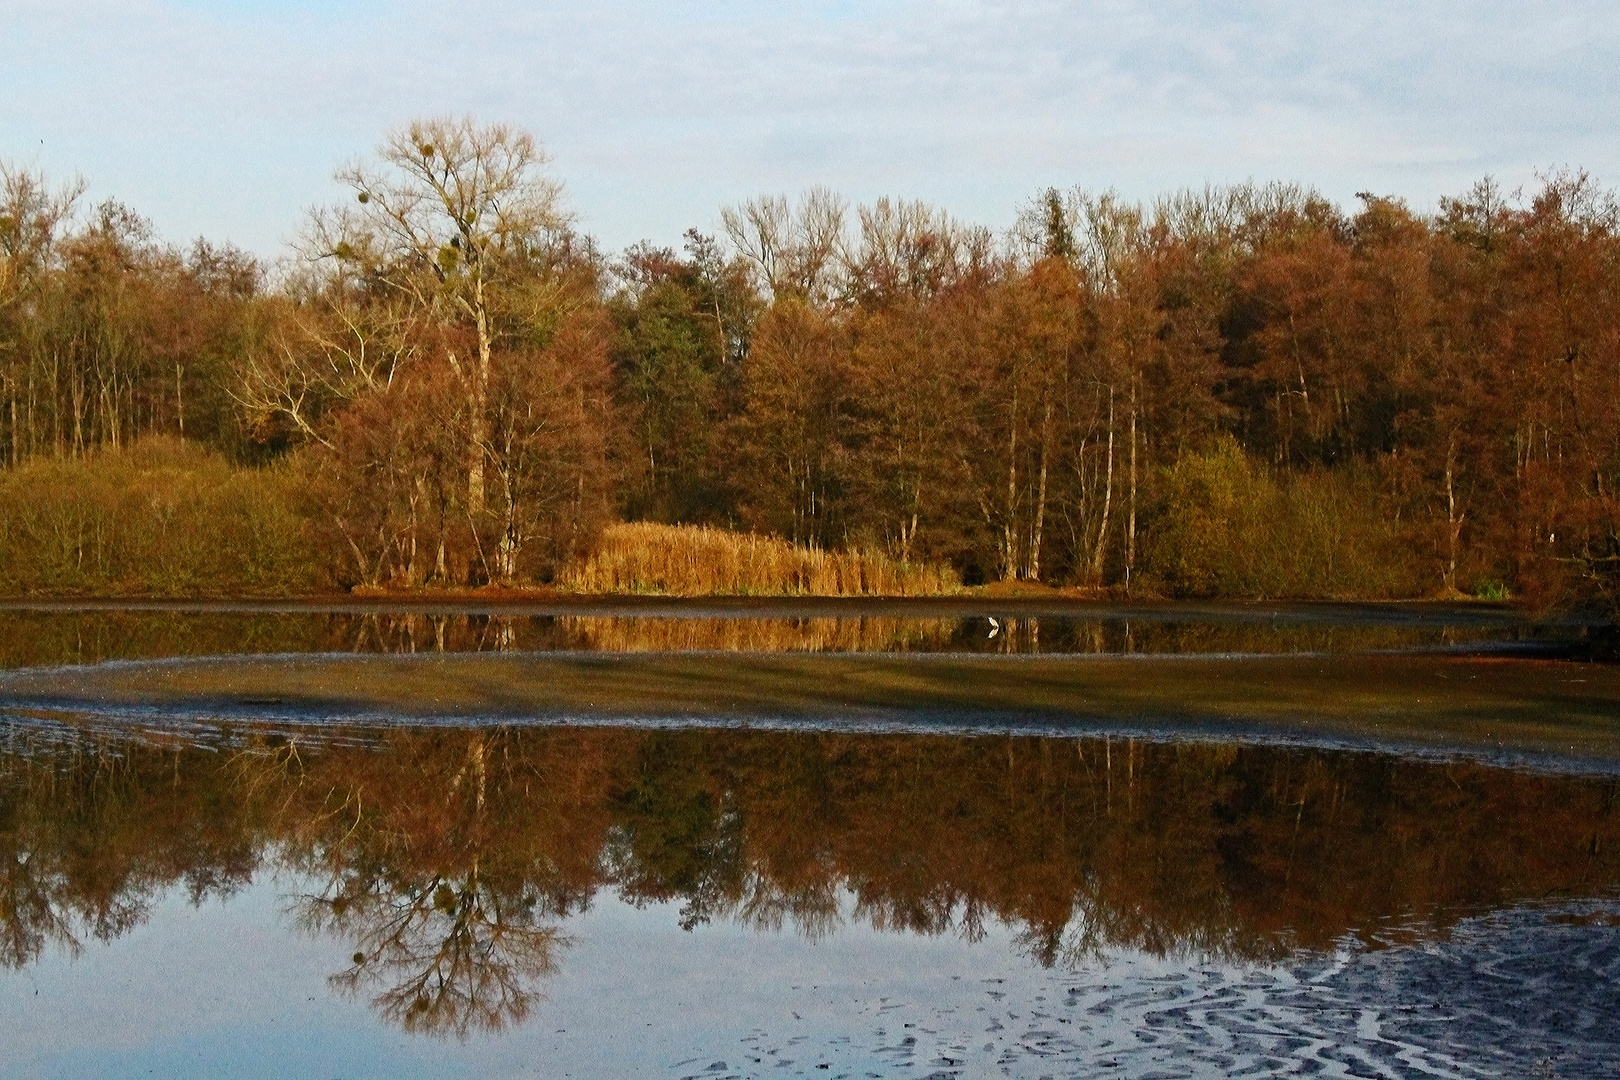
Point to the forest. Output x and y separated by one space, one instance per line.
1243 391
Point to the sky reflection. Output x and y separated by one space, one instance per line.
620 901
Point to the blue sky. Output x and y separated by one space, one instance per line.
227 119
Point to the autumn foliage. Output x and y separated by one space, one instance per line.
1244 391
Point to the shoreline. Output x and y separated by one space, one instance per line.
1016 604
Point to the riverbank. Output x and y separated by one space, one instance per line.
168 518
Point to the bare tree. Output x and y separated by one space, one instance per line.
330 340
796 250
453 219
32 219
911 251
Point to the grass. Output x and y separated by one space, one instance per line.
692 560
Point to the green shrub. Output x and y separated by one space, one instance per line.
163 517
1224 526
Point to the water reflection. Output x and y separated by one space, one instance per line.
449 862
35 638
434 955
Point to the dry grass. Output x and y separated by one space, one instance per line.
690 560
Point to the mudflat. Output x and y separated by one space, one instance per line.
1474 703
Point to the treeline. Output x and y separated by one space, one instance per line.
1235 391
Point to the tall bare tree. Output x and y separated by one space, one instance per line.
454 218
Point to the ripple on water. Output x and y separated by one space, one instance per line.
1531 991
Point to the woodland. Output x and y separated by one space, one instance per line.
1243 391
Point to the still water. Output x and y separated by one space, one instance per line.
76 632
775 843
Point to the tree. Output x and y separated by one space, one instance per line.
1023 345
793 431
684 327
457 220
795 250
551 425
912 418
447 314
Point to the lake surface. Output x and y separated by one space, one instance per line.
819 839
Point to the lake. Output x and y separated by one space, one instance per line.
818 838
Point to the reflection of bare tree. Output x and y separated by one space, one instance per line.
42 906
1094 928
453 920
43 910
941 910
76 863
811 907
442 955
31 913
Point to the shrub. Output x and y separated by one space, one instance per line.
1225 527
163 517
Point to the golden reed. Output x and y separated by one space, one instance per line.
695 560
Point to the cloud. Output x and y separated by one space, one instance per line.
226 118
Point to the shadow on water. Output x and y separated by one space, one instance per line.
450 861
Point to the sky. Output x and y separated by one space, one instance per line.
227 120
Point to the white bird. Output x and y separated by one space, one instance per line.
995 627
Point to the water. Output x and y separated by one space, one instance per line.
44 632
1392 848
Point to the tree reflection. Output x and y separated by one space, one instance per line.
448 861
452 921
441 955
45 639
32 913
91 835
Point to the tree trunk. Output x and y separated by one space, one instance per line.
1108 498
478 430
1454 521
1130 529
1040 500
1009 526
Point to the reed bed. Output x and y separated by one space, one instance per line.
695 560
630 634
